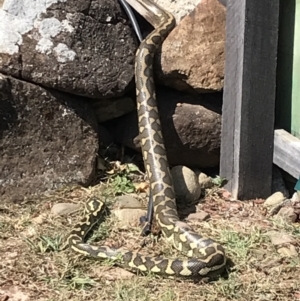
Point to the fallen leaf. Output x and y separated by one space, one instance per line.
141 187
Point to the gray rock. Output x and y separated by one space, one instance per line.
276 199
205 181
47 140
64 208
112 108
83 47
295 198
186 185
199 129
191 127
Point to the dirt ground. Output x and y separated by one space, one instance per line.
263 252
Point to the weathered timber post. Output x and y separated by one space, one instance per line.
249 97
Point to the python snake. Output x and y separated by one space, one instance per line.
206 258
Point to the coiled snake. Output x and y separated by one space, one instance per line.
206 257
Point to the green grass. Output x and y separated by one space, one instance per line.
240 244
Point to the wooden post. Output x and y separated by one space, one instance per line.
288 69
249 97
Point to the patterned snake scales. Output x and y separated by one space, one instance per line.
206 258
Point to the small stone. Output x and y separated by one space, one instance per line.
275 199
205 181
30 231
64 208
200 216
288 251
129 216
287 214
280 238
295 198
127 201
186 185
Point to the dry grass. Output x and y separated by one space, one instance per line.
33 266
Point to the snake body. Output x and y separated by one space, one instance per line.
206 257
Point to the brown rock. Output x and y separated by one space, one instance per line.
192 56
191 127
47 140
84 47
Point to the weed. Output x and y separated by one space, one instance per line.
122 184
219 181
80 282
121 178
45 244
239 244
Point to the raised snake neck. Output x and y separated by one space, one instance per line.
208 257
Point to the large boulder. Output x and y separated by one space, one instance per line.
83 47
47 140
192 57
